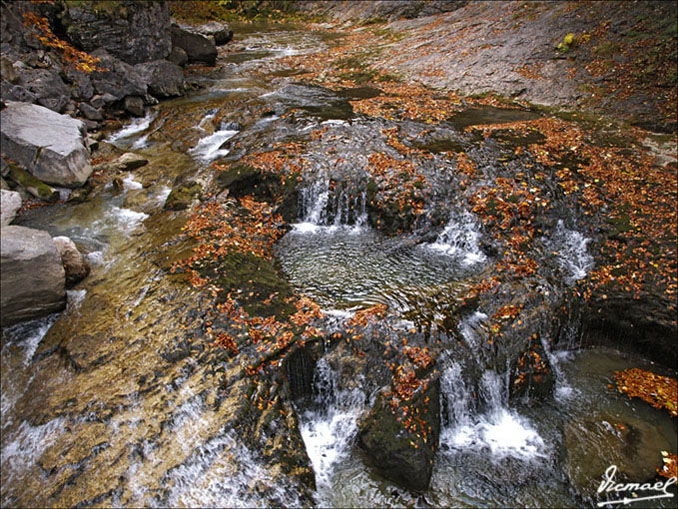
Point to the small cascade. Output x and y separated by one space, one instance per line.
328 204
497 430
210 148
563 389
460 239
329 427
467 329
571 249
28 335
137 126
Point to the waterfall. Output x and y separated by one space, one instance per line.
330 426
460 239
498 430
571 249
325 205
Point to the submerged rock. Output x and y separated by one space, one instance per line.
33 279
75 264
632 445
182 197
10 203
52 147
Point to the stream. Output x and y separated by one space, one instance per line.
100 407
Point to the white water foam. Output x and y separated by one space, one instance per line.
137 126
24 446
75 298
96 258
129 183
127 219
573 256
460 239
329 433
161 195
467 329
208 150
499 431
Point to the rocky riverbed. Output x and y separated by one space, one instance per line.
314 283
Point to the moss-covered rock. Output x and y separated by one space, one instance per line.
182 197
34 186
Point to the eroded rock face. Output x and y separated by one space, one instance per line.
51 146
131 31
75 264
33 279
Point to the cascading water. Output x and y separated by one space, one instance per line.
329 426
499 430
209 148
325 205
460 238
573 256
128 135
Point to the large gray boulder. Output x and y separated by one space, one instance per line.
10 203
130 30
164 78
198 48
32 278
119 80
52 147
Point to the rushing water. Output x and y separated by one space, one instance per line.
98 409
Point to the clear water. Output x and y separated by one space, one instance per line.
172 438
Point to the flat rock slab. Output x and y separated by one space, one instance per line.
32 278
51 146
